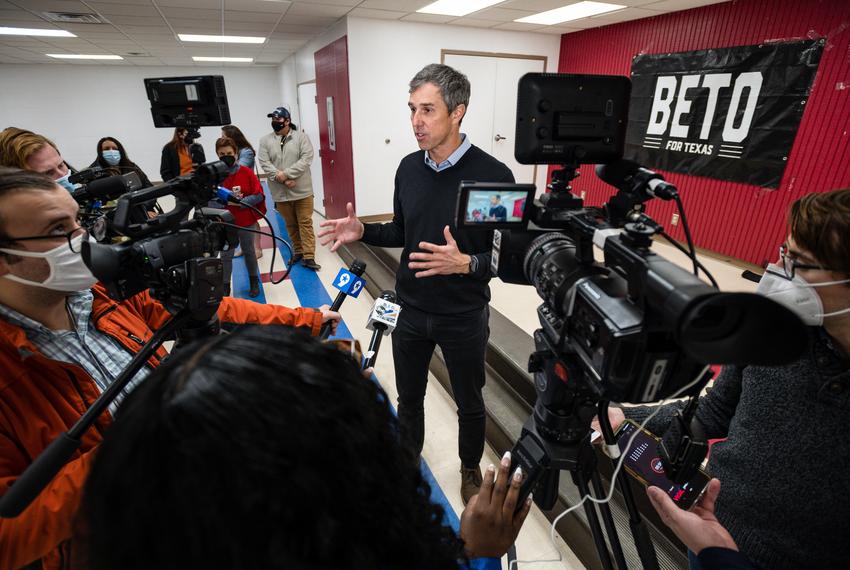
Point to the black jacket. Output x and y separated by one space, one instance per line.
169 167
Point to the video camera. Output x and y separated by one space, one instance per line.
633 328
170 254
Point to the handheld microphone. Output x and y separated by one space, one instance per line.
226 195
631 177
347 286
382 320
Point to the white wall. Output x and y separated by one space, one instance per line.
383 58
77 105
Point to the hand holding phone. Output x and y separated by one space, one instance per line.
643 462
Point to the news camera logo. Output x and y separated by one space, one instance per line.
348 283
674 98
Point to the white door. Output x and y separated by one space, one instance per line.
490 121
310 126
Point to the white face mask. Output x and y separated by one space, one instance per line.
797 294
68 272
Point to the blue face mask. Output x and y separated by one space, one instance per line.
65 183
113 157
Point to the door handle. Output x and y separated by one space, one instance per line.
501 138
332 162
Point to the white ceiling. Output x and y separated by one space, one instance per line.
148 28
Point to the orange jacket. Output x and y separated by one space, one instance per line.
41 398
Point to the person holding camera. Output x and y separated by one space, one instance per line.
246 186
63 341
783 460
285 156
261 466
442 280
181 154
20 148
112 156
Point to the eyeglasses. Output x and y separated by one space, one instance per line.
94 225
790 264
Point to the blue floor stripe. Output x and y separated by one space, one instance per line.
311 293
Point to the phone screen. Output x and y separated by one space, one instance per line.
643 462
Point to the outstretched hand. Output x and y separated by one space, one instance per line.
490 522
342 230
439 259
698 528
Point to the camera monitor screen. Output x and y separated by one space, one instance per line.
571 119
493 205
197 101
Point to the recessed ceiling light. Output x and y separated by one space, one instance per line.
456 7
569 13
36 32
221 39
81 56
229 59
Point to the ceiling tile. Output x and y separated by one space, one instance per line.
17 19
190 13
315 9
195 4
428 18
675 5
53 6
473 23
396 5
625 15
255 6
111 9
155 20
376 14
500 14
518 27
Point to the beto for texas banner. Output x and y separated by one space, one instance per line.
728 113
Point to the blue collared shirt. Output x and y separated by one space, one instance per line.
465 145
94 351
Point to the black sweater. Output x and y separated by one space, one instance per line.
423 204
785 465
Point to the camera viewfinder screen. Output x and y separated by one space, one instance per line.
493 206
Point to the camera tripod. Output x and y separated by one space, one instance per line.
557 438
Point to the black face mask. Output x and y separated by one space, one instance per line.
228 160
277 126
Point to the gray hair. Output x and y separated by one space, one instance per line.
453 85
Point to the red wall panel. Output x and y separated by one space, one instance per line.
738 220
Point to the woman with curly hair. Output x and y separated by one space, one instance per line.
267 449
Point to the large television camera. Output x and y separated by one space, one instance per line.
632 327
170 254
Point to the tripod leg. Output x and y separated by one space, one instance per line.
608 520
593 521
640 532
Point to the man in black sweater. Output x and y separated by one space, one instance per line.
784 460
442 279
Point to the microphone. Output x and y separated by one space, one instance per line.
631 177
226 195
349 283
382 320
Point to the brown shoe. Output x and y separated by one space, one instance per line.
470 482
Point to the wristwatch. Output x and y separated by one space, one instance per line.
473 264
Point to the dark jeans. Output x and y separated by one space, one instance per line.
463 341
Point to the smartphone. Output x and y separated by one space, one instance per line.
643 462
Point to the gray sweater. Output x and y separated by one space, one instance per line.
785 465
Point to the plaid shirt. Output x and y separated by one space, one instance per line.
96 352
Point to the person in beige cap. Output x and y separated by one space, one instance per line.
285 155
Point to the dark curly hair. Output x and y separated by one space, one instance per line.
260 449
